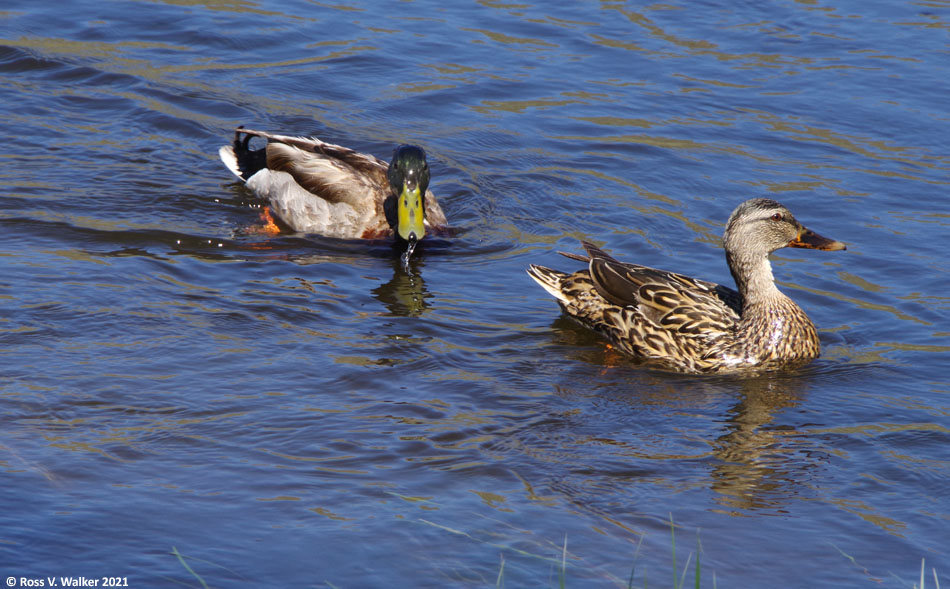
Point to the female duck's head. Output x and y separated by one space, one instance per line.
757 228
760 226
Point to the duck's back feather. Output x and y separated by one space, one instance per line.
651 314
332 180
668 300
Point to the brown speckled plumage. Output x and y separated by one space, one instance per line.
689 325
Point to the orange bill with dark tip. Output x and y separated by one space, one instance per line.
811 240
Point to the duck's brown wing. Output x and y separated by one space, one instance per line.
331 179
666 301
360 162
332 172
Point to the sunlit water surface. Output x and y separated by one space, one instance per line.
299 411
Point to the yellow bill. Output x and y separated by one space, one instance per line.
410 215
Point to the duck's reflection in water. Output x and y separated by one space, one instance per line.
752 454
756 463
405 294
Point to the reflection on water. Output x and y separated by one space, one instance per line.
757 463
405 294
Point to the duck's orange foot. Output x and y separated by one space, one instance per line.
612 357
269 227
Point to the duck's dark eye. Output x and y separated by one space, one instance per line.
777 217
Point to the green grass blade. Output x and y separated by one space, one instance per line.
181 559
699 549
633 569
562 575
673 542
685 570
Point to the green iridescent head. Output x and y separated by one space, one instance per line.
408 179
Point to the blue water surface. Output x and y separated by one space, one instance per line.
186 400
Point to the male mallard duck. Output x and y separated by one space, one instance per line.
689 325
318 187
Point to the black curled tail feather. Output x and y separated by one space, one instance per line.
247 161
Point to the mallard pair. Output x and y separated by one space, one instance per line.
665 319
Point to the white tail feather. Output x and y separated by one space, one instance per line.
550 280
226 153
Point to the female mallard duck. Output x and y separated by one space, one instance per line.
690 325
318 187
